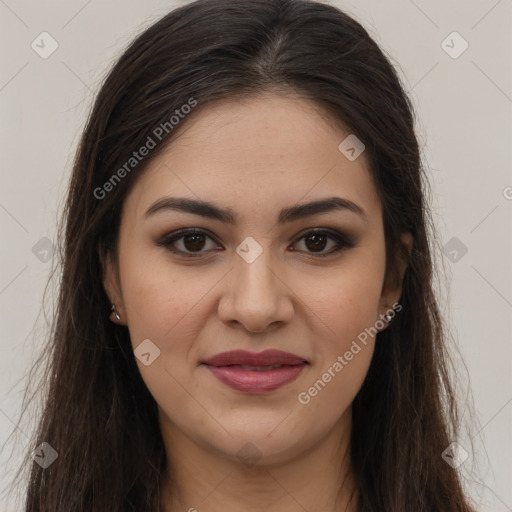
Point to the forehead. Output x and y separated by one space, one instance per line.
251 153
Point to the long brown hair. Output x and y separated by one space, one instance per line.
98 414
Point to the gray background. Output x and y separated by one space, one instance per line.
464 125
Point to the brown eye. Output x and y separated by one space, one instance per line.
191 241
316 241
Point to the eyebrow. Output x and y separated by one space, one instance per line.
228 216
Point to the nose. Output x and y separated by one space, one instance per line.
256 296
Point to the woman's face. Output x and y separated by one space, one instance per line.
254 278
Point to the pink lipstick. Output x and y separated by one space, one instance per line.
256 372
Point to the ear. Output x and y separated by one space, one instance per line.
111 284
392 287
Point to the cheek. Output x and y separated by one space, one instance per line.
343 359
347 302
158 294
347 306
166 305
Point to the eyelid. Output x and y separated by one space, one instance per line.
167 240
344 241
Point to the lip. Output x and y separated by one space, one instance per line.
228 368
269 357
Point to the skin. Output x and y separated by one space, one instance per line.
255 157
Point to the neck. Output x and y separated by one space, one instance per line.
317 480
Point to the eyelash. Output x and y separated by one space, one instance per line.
343 241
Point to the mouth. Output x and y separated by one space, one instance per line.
256 372
252 368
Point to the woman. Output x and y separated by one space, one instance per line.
246 318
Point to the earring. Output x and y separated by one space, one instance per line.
114 313
388 318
